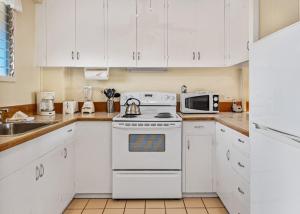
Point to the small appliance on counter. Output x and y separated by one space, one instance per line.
237 106
70 107
199 102
88 105
45 103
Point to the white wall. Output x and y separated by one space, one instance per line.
27 76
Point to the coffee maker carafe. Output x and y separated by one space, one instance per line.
45 103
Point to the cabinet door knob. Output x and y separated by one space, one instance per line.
228 154
66 153
222 130
241 191
139 56
133 55
37 173
194 55
241 165
199 55
42 170
241 141
78 55
73 55
189 145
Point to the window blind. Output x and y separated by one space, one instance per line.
6 41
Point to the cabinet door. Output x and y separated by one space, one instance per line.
224 172
47 197
121 33
238 30
182 33
210 33
198 164
60 33
151 33
67 181
17 191
90 33
93 169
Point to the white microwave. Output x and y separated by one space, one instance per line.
199 102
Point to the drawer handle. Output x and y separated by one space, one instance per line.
223 130
198 127
241 191
70 130
241 141
241 165
66 153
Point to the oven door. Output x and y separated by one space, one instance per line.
146 148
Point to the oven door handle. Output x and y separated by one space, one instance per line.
147 127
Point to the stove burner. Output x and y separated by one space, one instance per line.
129 116
164 115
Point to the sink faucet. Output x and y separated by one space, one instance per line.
3 114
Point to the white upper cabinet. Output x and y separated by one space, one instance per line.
121 33
237 31
60 22
75 33
90 33
151 33
196 33
182 33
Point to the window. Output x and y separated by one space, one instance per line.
6 42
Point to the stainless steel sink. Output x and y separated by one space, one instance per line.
11 129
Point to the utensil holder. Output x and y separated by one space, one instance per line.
110 106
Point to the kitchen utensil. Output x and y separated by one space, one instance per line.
133 108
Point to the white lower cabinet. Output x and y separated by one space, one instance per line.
93 173
45 185
198 138
232 170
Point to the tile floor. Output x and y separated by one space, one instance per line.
109 206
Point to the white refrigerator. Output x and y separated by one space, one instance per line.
275 123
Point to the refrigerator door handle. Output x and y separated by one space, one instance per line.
265 128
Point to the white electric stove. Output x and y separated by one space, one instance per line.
146 149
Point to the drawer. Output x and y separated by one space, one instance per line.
199 128
146 184
241 142
240 163
241 191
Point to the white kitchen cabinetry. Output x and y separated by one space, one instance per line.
232 169
18 191
136 33
237 31
121 33
75 33
46 183
93 170
60 22
151 33
90 33
198 147
196 36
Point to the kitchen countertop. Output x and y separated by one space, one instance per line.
7 142
236 121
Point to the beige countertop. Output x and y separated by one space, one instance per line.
236 121
60 120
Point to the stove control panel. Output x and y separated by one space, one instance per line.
150 98
146 125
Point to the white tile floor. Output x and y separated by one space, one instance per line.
184 206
